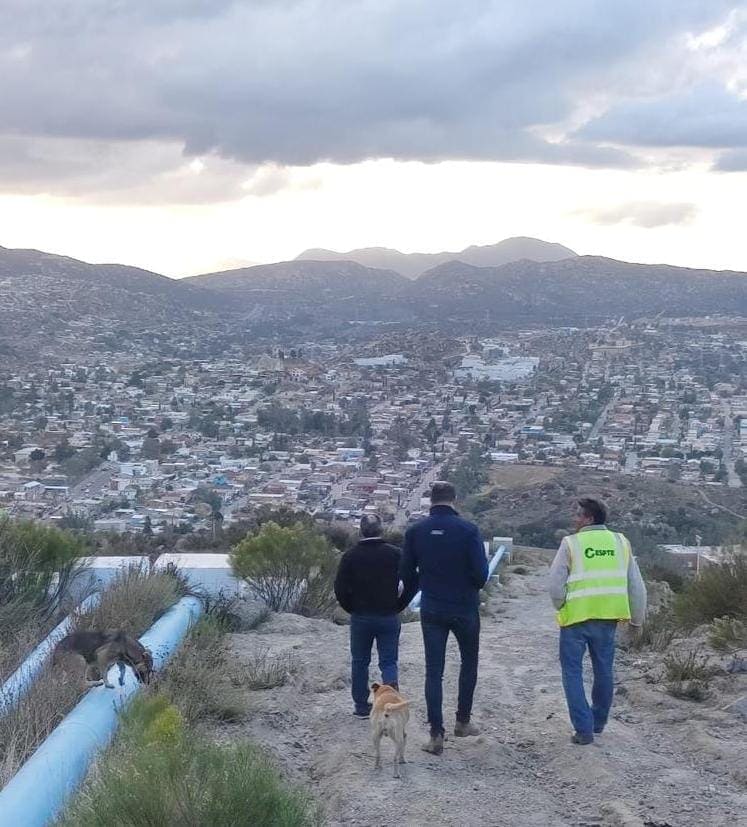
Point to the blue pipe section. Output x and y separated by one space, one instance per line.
19 683
492 565
41 788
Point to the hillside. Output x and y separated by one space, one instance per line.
414 264
579 289
659 511
344 287
52 301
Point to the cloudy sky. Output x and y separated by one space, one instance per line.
192 135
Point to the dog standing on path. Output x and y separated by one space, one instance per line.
101 650
389 717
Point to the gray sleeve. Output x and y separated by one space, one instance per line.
636 594
559 571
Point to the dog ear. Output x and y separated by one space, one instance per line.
375 687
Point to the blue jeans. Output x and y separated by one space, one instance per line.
599 637
364 630
466 630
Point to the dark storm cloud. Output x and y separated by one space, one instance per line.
301 81
705 116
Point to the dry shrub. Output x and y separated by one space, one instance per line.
719 591
656 633
195 680
728 634
689 674
135 599
262 670
33 717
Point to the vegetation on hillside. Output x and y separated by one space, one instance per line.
291 568
159 773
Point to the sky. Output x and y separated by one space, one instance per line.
186 136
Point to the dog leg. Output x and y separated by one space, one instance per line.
102 662
88 677
377 749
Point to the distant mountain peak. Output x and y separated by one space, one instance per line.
413 265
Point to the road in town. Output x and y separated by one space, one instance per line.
734 480
601 419
94 484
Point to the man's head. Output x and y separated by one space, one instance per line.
589 512
371 525
443 493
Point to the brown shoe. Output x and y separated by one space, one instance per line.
435 746
464 729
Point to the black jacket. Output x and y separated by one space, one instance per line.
368 579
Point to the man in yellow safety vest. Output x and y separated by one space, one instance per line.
594 583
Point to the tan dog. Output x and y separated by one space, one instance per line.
389 716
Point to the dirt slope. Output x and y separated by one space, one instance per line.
660 762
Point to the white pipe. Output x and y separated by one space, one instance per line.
38 792
23 678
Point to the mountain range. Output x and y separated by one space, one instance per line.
413 265
47 299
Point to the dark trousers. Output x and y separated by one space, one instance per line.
466 630
364 630
598 636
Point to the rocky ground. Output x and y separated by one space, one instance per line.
660 762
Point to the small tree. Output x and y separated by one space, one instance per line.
290 568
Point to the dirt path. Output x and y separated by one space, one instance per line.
660 762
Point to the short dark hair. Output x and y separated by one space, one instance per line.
595 509
443 492
371 525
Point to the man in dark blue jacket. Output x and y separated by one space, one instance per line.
445 555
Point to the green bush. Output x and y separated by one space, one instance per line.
159 774
719 591
291 568
37 566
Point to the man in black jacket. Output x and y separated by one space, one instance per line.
367 586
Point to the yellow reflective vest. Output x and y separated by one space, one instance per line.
597 587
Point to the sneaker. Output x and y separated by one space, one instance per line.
362 714
582 739
464 729
598 730
435 745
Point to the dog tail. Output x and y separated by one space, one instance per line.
395 707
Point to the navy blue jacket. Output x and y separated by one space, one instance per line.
445 556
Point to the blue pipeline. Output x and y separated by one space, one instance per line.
492 565
43 785
19 683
